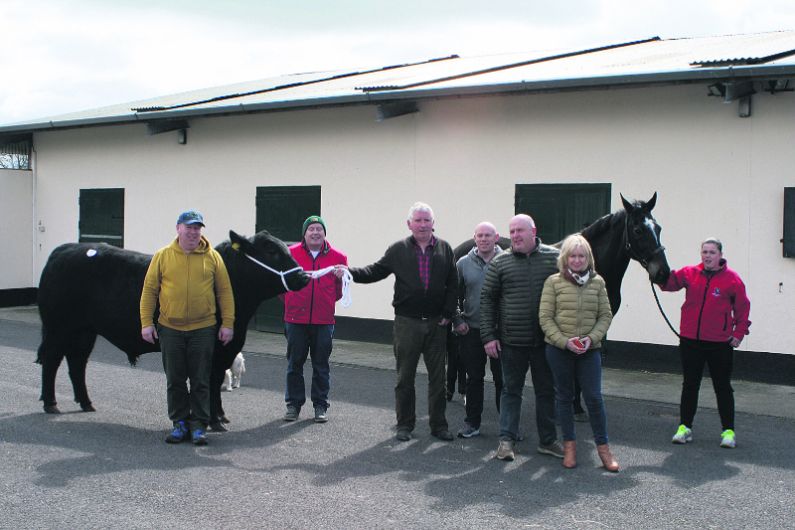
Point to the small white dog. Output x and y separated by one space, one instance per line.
234 374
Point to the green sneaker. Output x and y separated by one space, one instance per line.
727 439
683 435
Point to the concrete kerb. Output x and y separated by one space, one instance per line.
750 397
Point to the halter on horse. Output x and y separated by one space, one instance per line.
631 233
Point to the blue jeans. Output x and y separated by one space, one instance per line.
587 370
188 356
313 340
515 362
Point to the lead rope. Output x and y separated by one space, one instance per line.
346 299
662 312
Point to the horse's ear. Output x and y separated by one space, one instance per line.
627 205
651 202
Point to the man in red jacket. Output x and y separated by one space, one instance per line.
309 319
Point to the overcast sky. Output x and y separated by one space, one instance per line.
60 56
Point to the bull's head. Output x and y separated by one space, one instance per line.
272 261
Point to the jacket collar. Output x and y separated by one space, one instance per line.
323 250
473 253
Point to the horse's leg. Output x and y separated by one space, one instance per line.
50 359
77 360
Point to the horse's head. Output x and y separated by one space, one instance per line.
642 239
269 263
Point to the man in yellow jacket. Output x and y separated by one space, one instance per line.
187 277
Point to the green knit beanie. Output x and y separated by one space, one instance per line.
312 219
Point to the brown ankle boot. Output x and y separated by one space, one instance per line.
570 454
607 458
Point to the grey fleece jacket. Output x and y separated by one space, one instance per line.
471 273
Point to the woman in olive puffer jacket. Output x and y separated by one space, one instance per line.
575 314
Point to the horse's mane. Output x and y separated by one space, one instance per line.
603 224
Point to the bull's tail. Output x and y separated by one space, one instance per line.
41 352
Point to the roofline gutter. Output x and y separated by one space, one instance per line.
705 75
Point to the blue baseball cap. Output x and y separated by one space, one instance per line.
190 217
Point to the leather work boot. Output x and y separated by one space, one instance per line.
607 458
570 454
505 451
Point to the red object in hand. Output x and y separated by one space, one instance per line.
578 343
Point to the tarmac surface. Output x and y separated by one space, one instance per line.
111 468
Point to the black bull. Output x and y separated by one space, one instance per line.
95 289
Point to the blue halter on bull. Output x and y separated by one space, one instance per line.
94 289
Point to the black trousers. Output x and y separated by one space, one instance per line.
455 366
473 357
719 357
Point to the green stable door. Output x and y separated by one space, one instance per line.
562 209
102 216
281 210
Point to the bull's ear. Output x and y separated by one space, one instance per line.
651 202
238 241
627 205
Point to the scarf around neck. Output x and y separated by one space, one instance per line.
578 278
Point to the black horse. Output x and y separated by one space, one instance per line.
631 233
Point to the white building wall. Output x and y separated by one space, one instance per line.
16 229
716 175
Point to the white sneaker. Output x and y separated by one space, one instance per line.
728 440
683 435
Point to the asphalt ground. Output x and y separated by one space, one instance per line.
111 468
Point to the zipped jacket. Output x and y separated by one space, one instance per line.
411 299
315 303
568 310
471 273
187 285
511 294
716 306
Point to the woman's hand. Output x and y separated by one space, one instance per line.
577 345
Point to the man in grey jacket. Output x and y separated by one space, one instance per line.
471 273
510 330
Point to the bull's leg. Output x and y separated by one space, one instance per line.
77 373
49 368
77 360
217 417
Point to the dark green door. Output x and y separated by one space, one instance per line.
562 209
102 216
281 210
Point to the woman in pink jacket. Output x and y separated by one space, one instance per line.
714 321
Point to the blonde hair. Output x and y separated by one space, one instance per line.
567 248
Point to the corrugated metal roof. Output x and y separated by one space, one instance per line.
746 49
703 59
